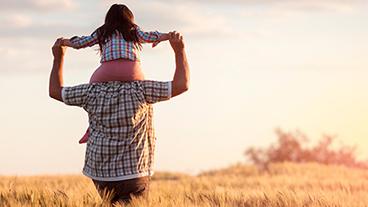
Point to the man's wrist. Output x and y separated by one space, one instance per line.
59 59
166 36
179 51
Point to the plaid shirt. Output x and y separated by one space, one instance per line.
121 142
116 47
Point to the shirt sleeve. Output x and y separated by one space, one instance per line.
148 37
84 41
76 95
156 91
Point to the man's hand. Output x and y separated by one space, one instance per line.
56 76
180 83
176 42
58 50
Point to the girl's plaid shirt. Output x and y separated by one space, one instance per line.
116 47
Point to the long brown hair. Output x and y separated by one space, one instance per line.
118 18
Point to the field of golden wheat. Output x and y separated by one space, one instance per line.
283 184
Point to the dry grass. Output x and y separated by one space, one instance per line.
282 185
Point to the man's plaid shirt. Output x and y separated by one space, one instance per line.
121 142
116 47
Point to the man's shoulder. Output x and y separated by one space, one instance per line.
152 91
140 83
111 86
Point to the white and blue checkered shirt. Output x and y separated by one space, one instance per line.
121 142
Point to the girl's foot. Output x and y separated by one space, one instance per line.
84 138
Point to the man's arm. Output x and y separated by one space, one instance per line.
180 83
56 76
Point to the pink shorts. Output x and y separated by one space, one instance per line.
118 70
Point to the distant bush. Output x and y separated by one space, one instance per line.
292 147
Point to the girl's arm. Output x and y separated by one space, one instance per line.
163 37
81 42
150 37
66 42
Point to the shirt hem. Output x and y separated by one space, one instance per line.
170 89
119 178
63 94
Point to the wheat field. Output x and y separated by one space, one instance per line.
283 184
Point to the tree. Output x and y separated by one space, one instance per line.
291 147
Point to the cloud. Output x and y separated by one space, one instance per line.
191 19
14 21
318 6
258 2
42 31
212 18
287 10
296 5
36 5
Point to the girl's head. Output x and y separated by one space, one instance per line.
119 15
118 18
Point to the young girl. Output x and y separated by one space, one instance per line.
120 41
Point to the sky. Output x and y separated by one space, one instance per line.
255 66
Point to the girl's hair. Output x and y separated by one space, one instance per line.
118 18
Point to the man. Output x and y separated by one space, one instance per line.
120 149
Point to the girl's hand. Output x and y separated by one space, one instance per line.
66 42
58 50
163 37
